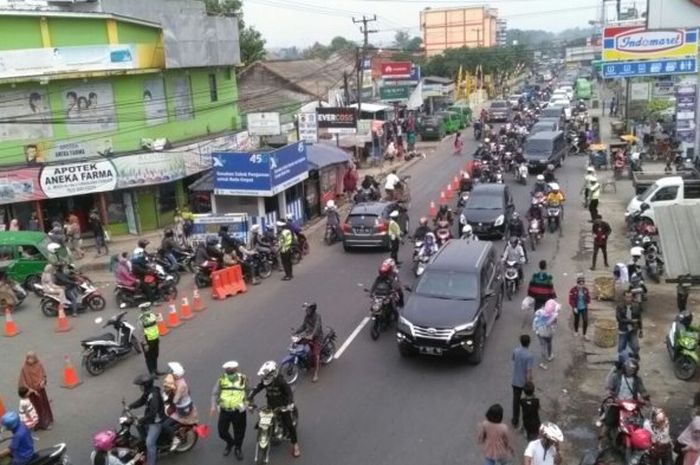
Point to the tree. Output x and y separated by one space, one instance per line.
405 43
338 45
251 41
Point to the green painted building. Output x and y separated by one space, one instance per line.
100 110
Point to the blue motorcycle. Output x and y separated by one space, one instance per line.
300 357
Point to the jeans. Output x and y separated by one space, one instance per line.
173 261
73 295
288 424
152 443
546 347
603 248
100 243
628 338
581 316
517 395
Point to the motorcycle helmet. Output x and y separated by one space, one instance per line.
443 209
550 167
385 269
640 439
10 420
551 431
467 230
104 440
430 239
268 371
255 228
142 243
590 169
394 214
230 367
685 318
540 178
423 221
554 186
53 247
310 307
176 369
636 252
330 204
144 380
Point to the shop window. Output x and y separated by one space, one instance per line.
213 92
167 198
116 210
328 180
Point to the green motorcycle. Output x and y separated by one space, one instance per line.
682 343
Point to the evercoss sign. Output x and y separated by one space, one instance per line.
336 118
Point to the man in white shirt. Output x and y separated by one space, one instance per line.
390 184
545 450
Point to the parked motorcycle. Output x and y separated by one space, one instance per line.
300 357
99 351
89 298
682 344
512 279
270 431
162 288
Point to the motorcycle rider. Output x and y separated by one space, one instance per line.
279 396
556 197
332 216
422 229
22 446
514 252
465 183
539 186
64 279
259 241
635 267
548 174
229 397
179 405
103 442
443 214
150 424
443 232
516 228
468 234
587 183
169 246
429 247
623 384
388 279
311 330
140 267
123 274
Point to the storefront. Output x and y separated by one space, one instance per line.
327 165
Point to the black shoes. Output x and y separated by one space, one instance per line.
239 453
227 451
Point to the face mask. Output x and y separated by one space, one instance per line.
232 376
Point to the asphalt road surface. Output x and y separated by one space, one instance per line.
370 406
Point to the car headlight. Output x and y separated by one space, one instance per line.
465 330
499 220
405 325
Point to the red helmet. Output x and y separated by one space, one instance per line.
640 439
386 268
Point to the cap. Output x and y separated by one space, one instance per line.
394 214
281 223
230 365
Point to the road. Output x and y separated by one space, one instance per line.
370 406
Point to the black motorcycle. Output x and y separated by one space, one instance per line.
162 288
160 259
382 311
331 236
99 351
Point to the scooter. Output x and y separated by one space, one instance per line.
270 430
521 173
55 455
632 439
89 298
682 345
420 262
554 215
512 279
162 287
300 357
534 232
99 351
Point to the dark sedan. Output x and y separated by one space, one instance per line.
488 210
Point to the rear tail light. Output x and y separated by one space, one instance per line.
382 227
346 227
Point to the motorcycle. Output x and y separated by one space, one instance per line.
162 287
331 235
477 130
534 232
18 292
630 437
462 200
554 215
89 298
498 175
55 455
682 345
420 260
512 279
653 262
636 287
163 265
98 351
521 173
202 278
442 234
128 445
270 430
262 266
382 311
300 357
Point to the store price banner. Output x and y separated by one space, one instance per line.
71 179
649 68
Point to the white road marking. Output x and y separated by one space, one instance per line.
352 336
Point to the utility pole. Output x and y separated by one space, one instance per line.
361 61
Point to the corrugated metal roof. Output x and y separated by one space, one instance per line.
679 237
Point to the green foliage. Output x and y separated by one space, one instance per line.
494 60
405 43
338 45
251 41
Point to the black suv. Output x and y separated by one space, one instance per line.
488 210
455 302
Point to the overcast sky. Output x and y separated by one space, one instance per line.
302 22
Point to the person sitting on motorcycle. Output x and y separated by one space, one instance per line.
387 280
178 403
104 442
311 330
64 279
624 384
548 174
422 229
539 186
332 216
244 255
443 232
516 228
555 196
484 115
139 258
519 158
514 252
21 448
228 242
468 234
49 284
635 267
150 424
444 213
200 254
465 183
122 272
429 247
169 247
279 396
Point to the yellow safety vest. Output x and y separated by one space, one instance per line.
150 326
286 239
595 192
232 396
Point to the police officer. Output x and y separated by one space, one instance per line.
229 396
394 235
151 344
285 244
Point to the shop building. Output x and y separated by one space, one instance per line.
118 113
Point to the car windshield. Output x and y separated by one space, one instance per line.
499 104
489 201
647 192
451 285
551 112
537 146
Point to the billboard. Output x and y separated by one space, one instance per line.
394 93
308 128
638 43
264 124
77 178
23 114
337 120
89 108
260 173
396 69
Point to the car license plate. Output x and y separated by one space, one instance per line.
430 350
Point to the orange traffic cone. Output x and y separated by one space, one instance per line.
185 310
433 210
162 328
10 326
62 324
70 376
443 199
2 407
449 191
173 317
197 304
455 183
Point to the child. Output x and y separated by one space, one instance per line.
27 413
531 412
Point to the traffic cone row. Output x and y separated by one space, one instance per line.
186 310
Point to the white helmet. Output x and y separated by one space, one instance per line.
554 186
551 431
230 365
255 228
590 169
540 177
330 204
636 251
467 230
53 247
268 371
176 369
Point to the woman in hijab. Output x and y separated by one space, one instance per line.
544 325
690 440
48 283
33 377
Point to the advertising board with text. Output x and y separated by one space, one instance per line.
396 69
337 120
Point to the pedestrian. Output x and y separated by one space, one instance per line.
545 449
458 143
34 224
99 231
229 398
494 438
392 179
179 226
522 374
350 181
14 224
151 343
544 326
73 235
286 242
26 410
394 236
579 299
629 324
689 440
33 377
612 106
594 197
601 232
587 182
531 412
661 451
541 287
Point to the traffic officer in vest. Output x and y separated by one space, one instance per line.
394 235
229 397
151 344
286 241
587 183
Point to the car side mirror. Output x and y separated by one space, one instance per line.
644 206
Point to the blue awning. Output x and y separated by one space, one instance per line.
322 155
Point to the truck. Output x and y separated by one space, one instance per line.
667 190
583 89
642 180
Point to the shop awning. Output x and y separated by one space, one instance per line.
203 184
322 155
679 229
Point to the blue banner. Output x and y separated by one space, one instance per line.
649 68
259 173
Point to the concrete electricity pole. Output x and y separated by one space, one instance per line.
361 61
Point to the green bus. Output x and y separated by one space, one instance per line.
583 89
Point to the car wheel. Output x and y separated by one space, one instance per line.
479 340
347 248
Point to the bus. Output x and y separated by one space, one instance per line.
583 89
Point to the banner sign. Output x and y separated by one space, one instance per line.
77 178
686 97
394 93
149 168
337 120
264 124
260 173
20 185
635 43
649 68
308 128
396 69
414 77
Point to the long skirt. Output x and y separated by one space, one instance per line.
43 409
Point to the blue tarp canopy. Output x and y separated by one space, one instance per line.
322 155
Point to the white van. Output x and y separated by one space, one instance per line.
671 190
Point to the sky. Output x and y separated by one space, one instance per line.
284 23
